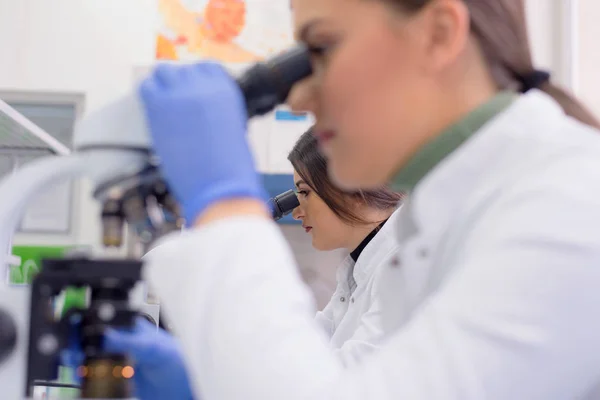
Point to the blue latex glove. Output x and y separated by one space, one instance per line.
197 119
159 368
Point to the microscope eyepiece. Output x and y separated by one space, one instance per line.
266 85
283 204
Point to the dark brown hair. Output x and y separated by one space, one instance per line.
500 28
311 165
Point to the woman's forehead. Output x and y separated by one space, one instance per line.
308 12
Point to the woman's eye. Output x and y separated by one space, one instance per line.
317 51
304 193
320 53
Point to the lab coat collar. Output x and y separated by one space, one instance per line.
371 256
448 141
342 273
440 194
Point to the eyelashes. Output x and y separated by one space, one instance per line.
317 50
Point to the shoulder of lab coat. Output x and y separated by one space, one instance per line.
514 319
354 321
507 224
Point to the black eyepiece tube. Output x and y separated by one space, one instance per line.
266 85
283 204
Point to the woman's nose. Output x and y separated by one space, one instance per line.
302 97
297 214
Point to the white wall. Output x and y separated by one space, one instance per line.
576 56
587 68
549 43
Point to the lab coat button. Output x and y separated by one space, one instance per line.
423 253
395 262
342 299
352 299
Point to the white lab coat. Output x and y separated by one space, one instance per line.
353 320
502 270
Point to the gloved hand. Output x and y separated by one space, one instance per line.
197 118
159 369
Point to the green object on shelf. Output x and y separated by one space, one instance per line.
31 261
74 298
31 264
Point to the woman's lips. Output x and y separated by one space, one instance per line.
307 229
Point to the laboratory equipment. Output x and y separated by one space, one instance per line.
21 137
266 85
103 374
283 204
113 150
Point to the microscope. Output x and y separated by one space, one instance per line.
283 204
113 150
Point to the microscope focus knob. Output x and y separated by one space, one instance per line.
8 335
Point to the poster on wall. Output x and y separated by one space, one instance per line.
236 33
229 31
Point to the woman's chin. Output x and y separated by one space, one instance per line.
317 245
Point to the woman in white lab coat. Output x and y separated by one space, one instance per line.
500 237
361 222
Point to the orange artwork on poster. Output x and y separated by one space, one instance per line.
230 31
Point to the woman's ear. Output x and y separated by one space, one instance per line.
447 28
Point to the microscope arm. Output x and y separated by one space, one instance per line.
20 189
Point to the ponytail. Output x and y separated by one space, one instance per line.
500 27
570 105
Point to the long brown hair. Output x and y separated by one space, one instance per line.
500 28
310 164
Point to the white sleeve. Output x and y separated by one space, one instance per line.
325 319
517 319
235 298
